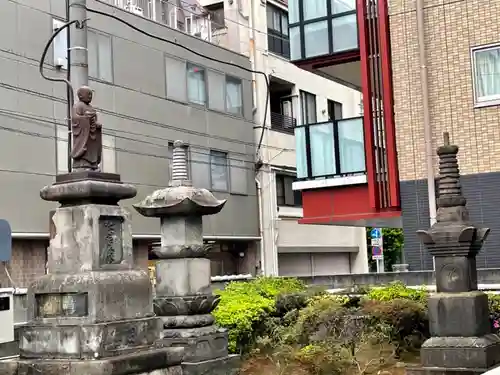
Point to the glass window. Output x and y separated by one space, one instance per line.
216 91
219 171
196 85
351 145
216 12
99 56
293 10
60 45
322 150
295 45
313 9
301 152
285 196
487 74
316 39
334 110
341 6
308 107
176 78
345 33
234 99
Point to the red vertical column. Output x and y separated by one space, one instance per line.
366 89
388 103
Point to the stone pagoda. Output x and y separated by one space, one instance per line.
461 339
184 299
92 313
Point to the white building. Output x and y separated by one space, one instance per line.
259 29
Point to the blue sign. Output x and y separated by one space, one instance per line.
377 252
376 233
5 241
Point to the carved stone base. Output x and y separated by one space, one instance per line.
164 361
229 365
200 344
88 342
461 352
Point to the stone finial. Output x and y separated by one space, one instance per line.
179 162
450 191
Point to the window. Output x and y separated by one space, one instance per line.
60 45
176 78
308 107
486 66
216 83
334 110
196 85
216 12
277 31
170 155
234 99
285 195
219 171
99 56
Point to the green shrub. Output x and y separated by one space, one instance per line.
245 308
397 290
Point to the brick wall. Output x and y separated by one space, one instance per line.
451 28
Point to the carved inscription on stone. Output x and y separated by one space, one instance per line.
110 239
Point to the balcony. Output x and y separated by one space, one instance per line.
183 15
324 38
283 123
330 154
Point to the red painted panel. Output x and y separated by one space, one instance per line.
367 104
341 204
388 102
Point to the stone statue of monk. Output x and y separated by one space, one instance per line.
87 133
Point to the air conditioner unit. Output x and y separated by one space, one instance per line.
134 9
6 315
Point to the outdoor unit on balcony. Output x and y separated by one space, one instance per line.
6 315
132 8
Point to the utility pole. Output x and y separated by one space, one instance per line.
78 49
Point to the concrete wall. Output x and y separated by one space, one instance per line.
278 148
451 31
138 118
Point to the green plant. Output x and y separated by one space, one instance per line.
393 240
245 308
397 290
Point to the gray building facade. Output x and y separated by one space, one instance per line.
148 93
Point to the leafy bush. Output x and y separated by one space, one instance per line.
397 290
245 306
403 321
494 307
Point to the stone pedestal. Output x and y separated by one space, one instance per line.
184 299
93 312
461 339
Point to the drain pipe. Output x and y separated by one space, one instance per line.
261 225
424 80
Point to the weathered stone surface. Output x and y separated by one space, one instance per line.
88 341
183 277
187 305
84 239
203 343
88 188
444 371
466 352
164 361
187 321
229 365
459 314
112 295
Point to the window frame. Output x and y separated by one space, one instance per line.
213 9
240 80
284 39
110 37
282 177
488 101
205 79
334 104
304 113
228 176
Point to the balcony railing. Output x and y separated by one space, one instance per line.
330 149
190 19
322 27
282 122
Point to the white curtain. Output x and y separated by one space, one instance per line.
487 74
322 150
196 85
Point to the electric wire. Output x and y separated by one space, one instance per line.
266 106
